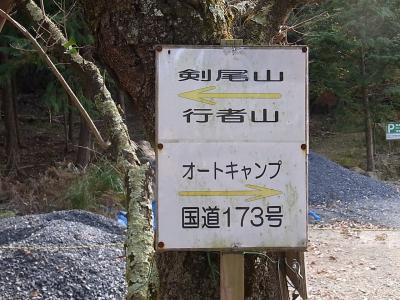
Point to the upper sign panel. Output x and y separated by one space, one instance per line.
224 94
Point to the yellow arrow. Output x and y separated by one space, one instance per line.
256 192
202 96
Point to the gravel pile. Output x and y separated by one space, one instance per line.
61 255
337 193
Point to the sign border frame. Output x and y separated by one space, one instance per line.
159 245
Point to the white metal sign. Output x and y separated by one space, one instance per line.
231 123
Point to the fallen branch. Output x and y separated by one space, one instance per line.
53 68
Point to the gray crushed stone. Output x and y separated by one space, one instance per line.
337 193
61 255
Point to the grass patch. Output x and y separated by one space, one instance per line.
347 149
348 160
101 184
7 214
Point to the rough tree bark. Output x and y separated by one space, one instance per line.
126 33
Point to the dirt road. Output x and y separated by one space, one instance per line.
353 263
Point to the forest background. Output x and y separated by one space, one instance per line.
51 161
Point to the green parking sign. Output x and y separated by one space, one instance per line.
393 131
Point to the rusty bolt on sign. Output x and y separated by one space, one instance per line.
303 146
160 146
161 244
158 48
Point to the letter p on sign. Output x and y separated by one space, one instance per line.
390 128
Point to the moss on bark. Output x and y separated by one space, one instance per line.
139 242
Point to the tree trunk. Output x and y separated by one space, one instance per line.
369 136
126 35
65 126
70 125
188 275
369 133
12 145
84 146
15 108
10 122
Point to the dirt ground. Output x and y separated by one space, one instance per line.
353 263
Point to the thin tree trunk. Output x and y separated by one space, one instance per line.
2 92
369 136
10 123
12 145
15 108
65 126
70 125
83 154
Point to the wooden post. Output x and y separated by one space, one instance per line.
232 276
283 285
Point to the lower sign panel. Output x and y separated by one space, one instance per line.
237 196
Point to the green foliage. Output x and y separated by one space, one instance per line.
71 46
337 42
53 99
97 181
21 56
348 119
10 46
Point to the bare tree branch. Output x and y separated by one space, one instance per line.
5 5
61 79
42 7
